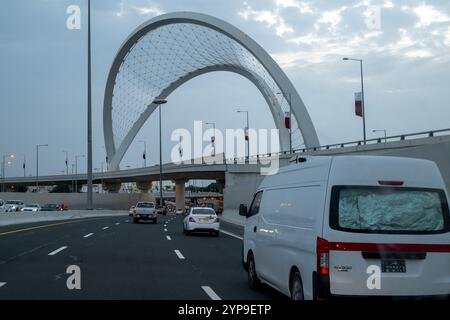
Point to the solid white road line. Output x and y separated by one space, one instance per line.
104 228
57 251
210 292
2 284
232 234
88 235
168 238
178 253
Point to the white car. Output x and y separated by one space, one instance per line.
13 205
350 226
145 211
201 219
2 202
32 207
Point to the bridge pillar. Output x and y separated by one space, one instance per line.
144 186
112 187
179 193
220 185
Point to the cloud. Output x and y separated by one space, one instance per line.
141 10
272 18
447 38
419 54
331 18
301 6
427 15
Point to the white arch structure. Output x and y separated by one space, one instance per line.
171 49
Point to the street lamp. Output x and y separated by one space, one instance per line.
37 164
288 94
145 152
67 161
362 94
246 132
10 156
213 140
24 165
76 170
89 115
382 130
159 102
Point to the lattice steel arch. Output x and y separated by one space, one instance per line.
268 79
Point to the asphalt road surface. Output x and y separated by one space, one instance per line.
122 260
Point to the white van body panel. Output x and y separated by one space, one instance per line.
276 243
430 276
295 211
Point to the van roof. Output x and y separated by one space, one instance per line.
358 170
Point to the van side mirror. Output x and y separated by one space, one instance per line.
243 211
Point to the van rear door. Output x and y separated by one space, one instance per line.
388 241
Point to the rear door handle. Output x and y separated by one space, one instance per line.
254 229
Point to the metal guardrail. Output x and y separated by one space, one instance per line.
417 135
374 141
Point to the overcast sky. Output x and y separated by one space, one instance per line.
43 71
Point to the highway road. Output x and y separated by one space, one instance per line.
122 260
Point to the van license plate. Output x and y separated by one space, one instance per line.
398 266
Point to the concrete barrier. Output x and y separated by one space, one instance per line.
11 218
77 201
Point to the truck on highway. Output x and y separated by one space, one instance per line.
145 211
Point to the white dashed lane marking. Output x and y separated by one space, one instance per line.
88 235
210 292
104 228
179 255
2 284
168 238
231 234
57 251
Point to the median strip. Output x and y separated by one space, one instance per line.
210 292
88 235
57 251
179 255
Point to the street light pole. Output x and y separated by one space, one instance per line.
24 165
145 152
67 161
76 171
159 102
3 169
37 164
89 119
385 134
362 95
247 130
214 135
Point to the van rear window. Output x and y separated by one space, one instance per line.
389 210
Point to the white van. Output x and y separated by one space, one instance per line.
350 226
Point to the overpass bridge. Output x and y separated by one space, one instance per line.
237 179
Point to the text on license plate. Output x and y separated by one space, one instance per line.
392 265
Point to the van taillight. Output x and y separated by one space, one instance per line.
390 183
323 257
